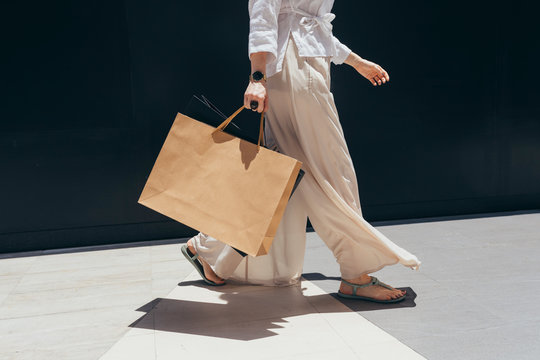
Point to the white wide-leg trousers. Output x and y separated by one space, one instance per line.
303 122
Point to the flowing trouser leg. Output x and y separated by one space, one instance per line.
303 118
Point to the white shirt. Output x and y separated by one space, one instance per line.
309 22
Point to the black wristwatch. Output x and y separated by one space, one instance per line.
257 76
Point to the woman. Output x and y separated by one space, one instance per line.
290 47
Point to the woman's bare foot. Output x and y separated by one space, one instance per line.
208 272
376 291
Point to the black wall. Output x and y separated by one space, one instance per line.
90 89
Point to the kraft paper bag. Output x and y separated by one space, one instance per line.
221 185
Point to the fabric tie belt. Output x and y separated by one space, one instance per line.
310 21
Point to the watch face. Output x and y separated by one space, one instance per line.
257 75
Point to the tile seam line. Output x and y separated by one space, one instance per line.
329 324
66 312
18 283
99 266
128 328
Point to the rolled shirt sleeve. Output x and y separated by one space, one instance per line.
263 27
342 52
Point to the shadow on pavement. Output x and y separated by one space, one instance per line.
243 312
237 312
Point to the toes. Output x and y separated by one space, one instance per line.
397 294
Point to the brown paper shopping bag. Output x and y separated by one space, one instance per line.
223 186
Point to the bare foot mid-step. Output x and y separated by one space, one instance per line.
208 272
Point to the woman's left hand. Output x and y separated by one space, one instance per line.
368 69
373 72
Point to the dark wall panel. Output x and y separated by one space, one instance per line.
89 91
67 133
436 141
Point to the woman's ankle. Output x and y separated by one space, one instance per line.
362 279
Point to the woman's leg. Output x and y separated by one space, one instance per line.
305 123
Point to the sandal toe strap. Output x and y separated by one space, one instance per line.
385 285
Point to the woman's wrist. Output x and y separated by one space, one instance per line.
354 60
258 62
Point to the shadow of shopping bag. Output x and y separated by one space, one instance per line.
219 184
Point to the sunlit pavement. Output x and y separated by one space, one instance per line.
474 297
